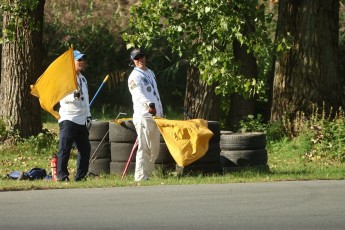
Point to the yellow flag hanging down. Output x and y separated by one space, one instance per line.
187 141
56 82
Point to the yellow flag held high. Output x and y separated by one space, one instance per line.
56 82
187 141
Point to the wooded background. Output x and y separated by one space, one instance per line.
217 60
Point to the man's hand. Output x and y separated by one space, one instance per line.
76 94
88 122
152 109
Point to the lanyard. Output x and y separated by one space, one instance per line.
80 83
149 79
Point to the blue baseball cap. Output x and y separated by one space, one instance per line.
78 55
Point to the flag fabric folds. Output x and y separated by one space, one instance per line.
56 82
186 140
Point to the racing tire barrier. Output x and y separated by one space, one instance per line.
99 166
240 150
98 130
122 133
122 138
242 141
100 147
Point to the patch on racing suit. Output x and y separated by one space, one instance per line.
146 82
132 85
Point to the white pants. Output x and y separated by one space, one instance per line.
148 147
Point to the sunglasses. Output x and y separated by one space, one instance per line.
80 60
139 56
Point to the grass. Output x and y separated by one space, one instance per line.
315 154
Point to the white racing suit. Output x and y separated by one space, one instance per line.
143 87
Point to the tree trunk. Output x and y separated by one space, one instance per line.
0 63
241 107
21 66
200 100
307 74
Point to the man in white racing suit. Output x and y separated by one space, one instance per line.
75 116
146 104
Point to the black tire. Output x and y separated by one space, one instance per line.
118 167
164 156
225 132
121 151
243 157
214 126
99 166
125 132
98 130
103 149
162 139
243 141
211 156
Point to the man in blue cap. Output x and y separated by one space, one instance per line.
75 118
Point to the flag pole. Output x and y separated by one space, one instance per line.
99 89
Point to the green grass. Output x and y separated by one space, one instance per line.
285 164
315 154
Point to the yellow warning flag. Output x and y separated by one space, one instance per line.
56 82
187 140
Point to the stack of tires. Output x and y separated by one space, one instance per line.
240 150
100 147
210 162
122 138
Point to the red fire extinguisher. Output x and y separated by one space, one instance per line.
53 164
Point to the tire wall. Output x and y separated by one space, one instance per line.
242 149
100 147
112 144
122 139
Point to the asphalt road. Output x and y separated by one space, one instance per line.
279 205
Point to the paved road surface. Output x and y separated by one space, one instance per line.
279 205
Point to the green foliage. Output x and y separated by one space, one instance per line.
2 129
43 143
96 32
328 141
275 132
203 32
326 135
20 17
253 124
8 136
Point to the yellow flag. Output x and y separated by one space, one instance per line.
56 82
187 141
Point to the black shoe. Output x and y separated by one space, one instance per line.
80 177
